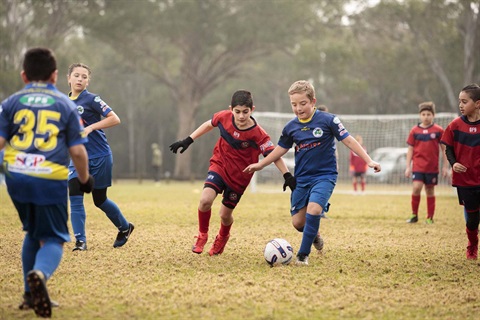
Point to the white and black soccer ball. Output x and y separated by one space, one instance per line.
278 251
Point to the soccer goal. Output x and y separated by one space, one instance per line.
384 136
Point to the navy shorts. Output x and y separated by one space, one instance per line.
100 169
469 198
47 222
230 197
430 179
319 192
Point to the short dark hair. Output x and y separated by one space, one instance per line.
473 91
426 106
39 64
242 98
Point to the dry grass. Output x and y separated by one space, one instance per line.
375 265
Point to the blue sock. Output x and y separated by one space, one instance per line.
78 217
29 252
48 258
312 224
114 214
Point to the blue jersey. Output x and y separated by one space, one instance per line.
91 108
314 145
39 123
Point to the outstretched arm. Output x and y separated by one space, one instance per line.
185 143
353 145
274 156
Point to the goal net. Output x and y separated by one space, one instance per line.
384 136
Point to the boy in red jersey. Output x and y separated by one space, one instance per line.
358 167
241 142
422 160
462 140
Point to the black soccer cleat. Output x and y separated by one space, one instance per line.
122 236
80 246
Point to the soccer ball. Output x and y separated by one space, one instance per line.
278 251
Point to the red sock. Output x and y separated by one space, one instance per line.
224 230
415 204
430 206
204 220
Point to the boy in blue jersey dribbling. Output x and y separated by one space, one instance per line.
96 115
40 129
313 132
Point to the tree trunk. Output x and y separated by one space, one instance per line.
186 109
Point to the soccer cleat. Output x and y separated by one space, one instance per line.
413 219
122 236
39 293
218 245
472 251
200 243
27 302
429 221
80 246
302 259
318 243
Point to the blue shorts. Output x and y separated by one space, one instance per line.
99 168
44 223
319 192
230 197
430 179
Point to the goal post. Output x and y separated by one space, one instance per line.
377 131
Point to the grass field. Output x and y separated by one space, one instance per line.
374 266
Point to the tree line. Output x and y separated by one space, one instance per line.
166 66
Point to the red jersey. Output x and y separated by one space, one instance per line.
236 149
426 144
356 163
464 137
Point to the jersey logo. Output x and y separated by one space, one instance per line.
236 134
80 109
317 132
37 100
336 120
471 129
245 144
433 135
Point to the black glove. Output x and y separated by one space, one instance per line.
87 187
182 143
290 181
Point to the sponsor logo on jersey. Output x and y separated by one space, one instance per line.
29 163
305 129
343 132
37 100
317 132
266 145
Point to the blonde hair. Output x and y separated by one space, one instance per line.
301 86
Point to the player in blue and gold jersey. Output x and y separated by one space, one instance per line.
313 132
96 116
40 129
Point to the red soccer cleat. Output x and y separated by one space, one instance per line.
218 245
200 243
